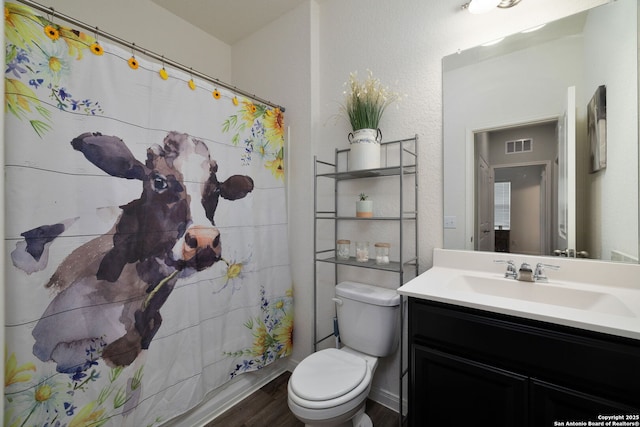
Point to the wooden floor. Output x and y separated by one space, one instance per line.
267 407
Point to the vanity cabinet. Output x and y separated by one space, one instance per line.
475 367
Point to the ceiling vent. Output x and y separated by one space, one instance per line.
519 146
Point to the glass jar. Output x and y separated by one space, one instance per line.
382 253
362 251
342 249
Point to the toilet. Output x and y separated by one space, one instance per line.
330 387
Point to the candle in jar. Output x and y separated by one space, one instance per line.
343 249
362 251
382 253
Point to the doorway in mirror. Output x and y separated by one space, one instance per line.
516 195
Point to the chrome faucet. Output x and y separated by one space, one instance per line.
525 273
539 275
511 268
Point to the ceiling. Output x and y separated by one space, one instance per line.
229 21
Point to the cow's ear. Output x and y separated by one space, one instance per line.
236 187
110 154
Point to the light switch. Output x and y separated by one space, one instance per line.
449 222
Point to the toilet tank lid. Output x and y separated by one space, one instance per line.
369 294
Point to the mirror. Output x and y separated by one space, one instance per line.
541 140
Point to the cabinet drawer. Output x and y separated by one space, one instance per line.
455 391
550 403
600 364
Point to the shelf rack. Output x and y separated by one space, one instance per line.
405 164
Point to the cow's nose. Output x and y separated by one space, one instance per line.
201 246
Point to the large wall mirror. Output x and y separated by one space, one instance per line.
541 140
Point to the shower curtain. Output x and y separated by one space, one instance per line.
145 235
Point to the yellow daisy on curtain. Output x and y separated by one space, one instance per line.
274 122
38 57
284 334
272 334
276 165
261 130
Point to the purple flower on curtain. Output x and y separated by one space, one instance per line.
14 65
36 83
266 135
43 63
69 408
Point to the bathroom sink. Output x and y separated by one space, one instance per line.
535 292
593 295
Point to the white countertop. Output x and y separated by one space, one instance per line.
620 282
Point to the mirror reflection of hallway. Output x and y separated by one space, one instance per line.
516 189
527 231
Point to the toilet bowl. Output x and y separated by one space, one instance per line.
330 388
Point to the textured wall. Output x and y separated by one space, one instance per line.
403 44
313 49
614 207
152 27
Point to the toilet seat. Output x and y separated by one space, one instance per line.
328 374
329 378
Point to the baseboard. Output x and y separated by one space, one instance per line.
236 391
387 399
210 414
228 395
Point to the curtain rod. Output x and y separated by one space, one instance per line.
151 54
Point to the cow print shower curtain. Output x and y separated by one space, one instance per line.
145 234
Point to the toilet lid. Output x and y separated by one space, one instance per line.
327 374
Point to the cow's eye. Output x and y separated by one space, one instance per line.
159 183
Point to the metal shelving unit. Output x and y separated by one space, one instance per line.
405 164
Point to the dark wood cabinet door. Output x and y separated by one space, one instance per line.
551 403
449 390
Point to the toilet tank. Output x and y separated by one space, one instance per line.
368 317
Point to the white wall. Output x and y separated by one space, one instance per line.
152 27
403 44
614 207
311 52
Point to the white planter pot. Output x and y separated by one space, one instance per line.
365 149
364 208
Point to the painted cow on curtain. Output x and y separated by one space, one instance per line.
110 290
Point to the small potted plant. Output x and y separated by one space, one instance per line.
364 207
364 104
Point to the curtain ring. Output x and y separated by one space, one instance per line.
163 73
133 62
191 83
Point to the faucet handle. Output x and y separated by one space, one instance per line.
539 275
511 267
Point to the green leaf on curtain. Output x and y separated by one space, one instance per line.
34 62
